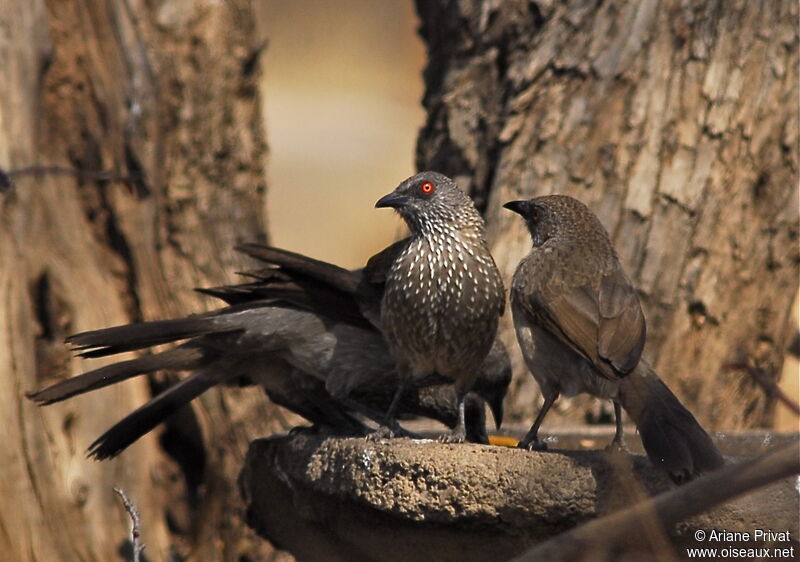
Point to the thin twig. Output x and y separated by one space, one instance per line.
137 545
769 386
621 531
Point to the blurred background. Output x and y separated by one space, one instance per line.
343 85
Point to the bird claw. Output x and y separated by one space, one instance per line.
454 437
535 445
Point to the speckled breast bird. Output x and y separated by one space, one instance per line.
442 292
298 332
580 326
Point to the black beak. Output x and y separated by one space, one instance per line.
520 207
496 406
393 200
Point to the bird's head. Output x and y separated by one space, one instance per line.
541 222
429 201
553 215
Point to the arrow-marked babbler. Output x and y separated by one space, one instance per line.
442 292
299 337
581 329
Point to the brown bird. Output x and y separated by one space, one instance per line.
441 292
581 329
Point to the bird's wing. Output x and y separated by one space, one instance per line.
378 266
373 279
324 272
603 323
296 280
622 325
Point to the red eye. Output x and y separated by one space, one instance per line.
426 188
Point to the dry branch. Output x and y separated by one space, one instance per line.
621 531
136 544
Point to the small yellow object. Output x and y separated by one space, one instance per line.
503 441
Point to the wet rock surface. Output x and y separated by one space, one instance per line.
325 498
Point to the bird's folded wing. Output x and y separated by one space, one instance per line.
299 281
373 280
603 324
622 325
378 266
324 272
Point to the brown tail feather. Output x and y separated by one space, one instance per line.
672 437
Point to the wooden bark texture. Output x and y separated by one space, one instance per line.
165 92
676 122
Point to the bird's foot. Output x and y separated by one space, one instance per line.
617 446
453 437
533 445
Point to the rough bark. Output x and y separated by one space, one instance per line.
676 122
165 93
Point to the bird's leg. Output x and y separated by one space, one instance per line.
377 417
617 444
459 433
391 413
531 440
390 428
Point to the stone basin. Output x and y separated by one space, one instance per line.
324 498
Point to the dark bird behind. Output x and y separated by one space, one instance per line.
298 339
581 328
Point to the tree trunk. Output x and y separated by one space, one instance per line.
165 93
676 122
